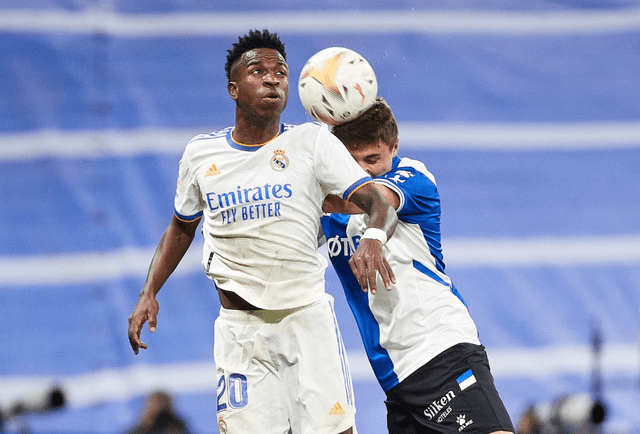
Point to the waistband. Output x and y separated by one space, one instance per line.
264 316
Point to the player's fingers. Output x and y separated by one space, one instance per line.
135 327
134 340
371 279
387 274
153 322
358 273
386 280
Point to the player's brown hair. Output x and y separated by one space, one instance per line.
377 123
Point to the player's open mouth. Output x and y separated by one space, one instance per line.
272 96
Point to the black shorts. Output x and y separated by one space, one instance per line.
453 393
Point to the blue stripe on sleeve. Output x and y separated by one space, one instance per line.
187 218
349 191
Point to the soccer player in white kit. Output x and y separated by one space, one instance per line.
420 339
258 187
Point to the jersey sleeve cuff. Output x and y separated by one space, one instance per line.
356 185
186 218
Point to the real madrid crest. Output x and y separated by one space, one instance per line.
279 161
222 426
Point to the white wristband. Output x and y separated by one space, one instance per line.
375 234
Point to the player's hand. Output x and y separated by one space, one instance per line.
146 310
368 259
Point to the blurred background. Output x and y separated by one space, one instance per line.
526 111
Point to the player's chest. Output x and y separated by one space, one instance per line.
268 177
231 168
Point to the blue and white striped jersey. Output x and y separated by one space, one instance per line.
423 314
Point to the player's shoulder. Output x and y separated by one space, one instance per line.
215 135
412 168
309 135
204 141
311 128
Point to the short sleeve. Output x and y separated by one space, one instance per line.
337 171
187 203
416 190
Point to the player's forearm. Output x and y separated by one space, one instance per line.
381 214
384 217
334 204
171 249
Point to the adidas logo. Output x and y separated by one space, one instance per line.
213 170
337 409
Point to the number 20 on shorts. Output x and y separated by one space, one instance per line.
232 391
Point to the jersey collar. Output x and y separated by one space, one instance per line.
250 148
396 162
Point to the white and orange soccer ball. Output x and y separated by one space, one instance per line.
337 85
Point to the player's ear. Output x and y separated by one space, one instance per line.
233 90
394 148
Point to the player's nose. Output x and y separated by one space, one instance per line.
271 78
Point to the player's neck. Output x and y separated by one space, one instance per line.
255 133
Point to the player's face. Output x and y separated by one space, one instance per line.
260 83
375 159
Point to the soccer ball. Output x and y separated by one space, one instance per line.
337 85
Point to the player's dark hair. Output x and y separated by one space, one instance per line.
254 39
377 123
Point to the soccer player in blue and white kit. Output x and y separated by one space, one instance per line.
419 337
258 188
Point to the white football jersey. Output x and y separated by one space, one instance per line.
423 314
262 206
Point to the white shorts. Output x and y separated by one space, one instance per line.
282 371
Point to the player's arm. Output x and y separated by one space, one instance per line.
335 204
172 247
368 257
